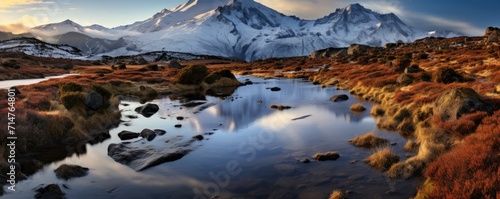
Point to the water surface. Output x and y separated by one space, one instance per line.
248 151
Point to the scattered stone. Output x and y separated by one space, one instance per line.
132 116
394 143
174 64
302 117
178 126
412 69
354 161
304 160
198 137
405 79
446 76
93 101
337 98
358 108
326 156
148 134
128 135
180 118
275 89
51 191
147 110
160 132
248 82
67 172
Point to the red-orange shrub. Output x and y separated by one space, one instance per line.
472 170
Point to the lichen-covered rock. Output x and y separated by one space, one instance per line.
456 102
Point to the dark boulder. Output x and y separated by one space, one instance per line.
127 135
446 76
456 102
51 191
338 98
140 157
160 132
405 79
326 156
67 172
93 101
275 89
148 134
122 66
147 110
174 64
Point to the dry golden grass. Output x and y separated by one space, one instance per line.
368 140
337 194
383 159
377 111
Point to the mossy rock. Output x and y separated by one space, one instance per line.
217 75
457 102
192 75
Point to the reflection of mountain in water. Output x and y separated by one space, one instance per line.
250 103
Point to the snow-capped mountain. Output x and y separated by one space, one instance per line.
32 46
241 29
245 29
167 18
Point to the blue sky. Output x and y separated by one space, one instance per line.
470 17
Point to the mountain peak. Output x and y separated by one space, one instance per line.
354 6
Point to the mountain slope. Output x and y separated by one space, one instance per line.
32 46
248 30
239 29
166 18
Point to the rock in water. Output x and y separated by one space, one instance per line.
67 172
275 89
338 98
52 191
147 110
140 157
93 101
128 135
148 134
326 156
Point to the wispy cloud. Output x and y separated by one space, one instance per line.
23 24
305 9
10 3
314 9
452 24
